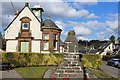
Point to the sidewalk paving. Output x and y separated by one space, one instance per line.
10 74
49 73
113 71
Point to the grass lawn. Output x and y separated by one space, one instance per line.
33 72
100 74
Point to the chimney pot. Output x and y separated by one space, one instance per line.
26 4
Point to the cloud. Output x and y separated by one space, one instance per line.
101 35
108 0
53 9
6 20
85 29
81 5
112 24
82 31
62 26
85 1
83 38
112 16
63 10
91 24
92 16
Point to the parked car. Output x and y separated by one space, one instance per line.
113 62
119 65
5 66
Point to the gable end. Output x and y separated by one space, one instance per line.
19 14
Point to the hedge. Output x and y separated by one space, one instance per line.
91 60
31 59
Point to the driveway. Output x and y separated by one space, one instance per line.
10 74
113 71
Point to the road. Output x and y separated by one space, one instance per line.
113 71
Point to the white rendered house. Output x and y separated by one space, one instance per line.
28 33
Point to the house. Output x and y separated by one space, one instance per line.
29 33
93 51
106 48
117 49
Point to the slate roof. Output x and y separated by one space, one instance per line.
83 51
104 45
93 51
49 24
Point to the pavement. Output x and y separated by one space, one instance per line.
113 71
10 74
49 73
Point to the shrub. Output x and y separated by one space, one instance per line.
34 60
31 59
91 60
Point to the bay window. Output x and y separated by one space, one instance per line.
45 41
55 41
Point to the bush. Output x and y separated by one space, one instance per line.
31 59
91 60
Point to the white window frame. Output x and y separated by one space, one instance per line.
46 36
45 40
24 27
46 46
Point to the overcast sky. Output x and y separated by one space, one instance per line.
90 20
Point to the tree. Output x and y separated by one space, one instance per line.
118 38
95 43
112 38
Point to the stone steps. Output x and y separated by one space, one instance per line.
69 67
69 75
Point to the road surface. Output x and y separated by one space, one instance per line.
113 71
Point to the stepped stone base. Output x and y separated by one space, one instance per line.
69 68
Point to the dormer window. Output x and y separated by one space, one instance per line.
25 25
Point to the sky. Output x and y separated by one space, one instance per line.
93 19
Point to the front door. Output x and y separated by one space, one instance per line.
24 47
